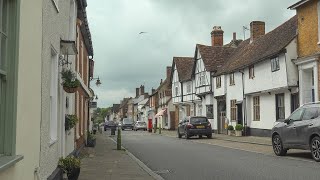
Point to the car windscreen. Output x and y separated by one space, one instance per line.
141 123
196 120
127 121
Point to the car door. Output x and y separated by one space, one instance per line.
303 127
289 134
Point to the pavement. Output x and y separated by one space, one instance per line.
104 162
173 158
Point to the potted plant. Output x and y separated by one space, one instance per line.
230 129
70 121
70 82
91 140
239 129
71 166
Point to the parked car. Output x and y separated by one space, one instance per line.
127 123
140 125
194 126
300 131
109 125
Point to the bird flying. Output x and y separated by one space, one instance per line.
142 32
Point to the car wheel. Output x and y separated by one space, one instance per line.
186 134
122 129
209 136
105 129
278 146
200 136
315 148
179 135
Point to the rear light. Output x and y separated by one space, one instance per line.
189 126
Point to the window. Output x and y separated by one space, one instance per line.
210 111
176 90
296 115
256 108
202 79
251 72
280 109
54 96
189 88
196 120
218 82
233 110
232 79
8 73
310 113
200 110
275 64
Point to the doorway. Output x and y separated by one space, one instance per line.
239 114
221 112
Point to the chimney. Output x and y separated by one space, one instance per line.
217 36
141 90
153 90
257 29
160 81
168 72
137 92
234 36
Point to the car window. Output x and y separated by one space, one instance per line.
198 120
310 113
296 115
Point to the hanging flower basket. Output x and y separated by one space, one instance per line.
70 82
70 121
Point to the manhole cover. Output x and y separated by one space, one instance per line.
162 171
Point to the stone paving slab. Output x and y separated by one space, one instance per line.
104 162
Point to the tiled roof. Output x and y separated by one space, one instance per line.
214 57
262 48
184 67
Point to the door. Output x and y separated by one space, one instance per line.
239 113
303 126
222 123
289 133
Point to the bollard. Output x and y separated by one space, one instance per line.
159 129
155 128
119 139
113 131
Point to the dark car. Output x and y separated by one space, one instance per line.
109 125
300 131
194 126
127 123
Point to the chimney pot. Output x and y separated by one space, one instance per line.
217 36
160 81
257 29
137 92
234 36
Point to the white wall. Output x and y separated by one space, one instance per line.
292 70
176 83
264 78
222 90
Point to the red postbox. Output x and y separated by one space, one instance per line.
150 125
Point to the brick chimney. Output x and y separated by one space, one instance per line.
217 36
137 92
168 72
141 90
257 29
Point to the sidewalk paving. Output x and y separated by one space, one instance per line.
104 162
243 139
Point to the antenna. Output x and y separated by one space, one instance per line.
245 28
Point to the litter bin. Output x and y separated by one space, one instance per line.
113 131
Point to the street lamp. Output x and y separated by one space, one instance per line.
98 82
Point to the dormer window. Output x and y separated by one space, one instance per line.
275 66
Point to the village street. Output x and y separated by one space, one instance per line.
174 158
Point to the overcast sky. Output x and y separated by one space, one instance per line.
124 59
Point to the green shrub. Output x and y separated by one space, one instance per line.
239 127
70 121
90 136
230 128
69 163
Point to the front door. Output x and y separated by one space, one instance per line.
222 123
239 109
221 113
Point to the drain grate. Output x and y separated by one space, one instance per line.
162 171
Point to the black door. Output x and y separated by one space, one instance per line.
239 109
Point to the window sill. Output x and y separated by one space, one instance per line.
56 6
52 142
8 161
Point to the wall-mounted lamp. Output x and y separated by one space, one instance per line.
98 82
67 48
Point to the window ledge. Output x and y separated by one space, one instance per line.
8 161
52 142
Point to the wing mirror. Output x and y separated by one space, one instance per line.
287 121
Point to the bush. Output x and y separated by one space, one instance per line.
69 163
70 121
90 136
239 127
230 128
69 79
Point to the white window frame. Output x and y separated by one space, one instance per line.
256 108
177 91
251 72
188 87
218 82
275 65
232 82
54 96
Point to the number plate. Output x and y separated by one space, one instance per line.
200 127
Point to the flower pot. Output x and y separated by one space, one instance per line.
238 133
69 89
229 132
73 174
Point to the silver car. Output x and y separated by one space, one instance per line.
140 125
300 131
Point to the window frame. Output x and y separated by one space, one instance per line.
233 110
256 108
218 82
207 109
251 72
275 64
231 79
278 96
189 88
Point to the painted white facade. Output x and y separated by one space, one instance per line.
202 77
176 87
219 91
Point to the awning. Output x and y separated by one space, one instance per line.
160 113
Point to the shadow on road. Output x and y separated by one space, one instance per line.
306 155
